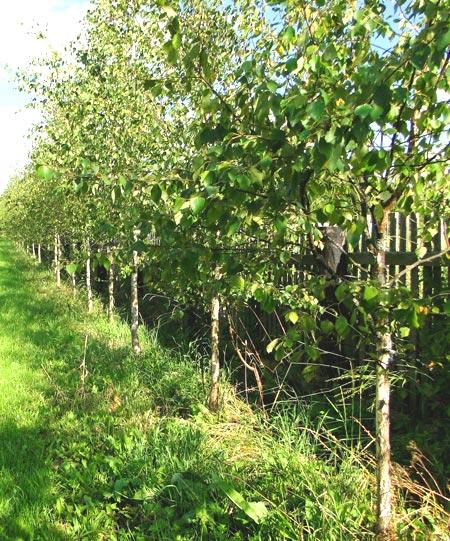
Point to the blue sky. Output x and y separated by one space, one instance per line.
60 21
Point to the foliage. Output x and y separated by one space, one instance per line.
112 457
221 141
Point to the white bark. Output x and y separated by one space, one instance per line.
383 391
57 262
214 395
89 278
39 254
73 275
384 480
111 278
135 344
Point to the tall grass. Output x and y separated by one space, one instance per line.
128 451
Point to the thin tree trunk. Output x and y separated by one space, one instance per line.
111 278
383 392
57 261
89 278
73 275
34 250
39 254
214 395
135 306
60 256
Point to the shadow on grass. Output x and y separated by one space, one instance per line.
45 329
25 484
36 329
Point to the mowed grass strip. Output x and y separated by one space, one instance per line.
24 417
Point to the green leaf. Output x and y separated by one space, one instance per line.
176 41
382 96
378 212
404 332
446 307
326 326
237 282
197 204
365 110
325 148
104 261
44 172
71 268
413 318
291 64
234 227
330 52
328 208
316 109
171 52
370 294
288 36
285 257
308 323
272 86
257 511
443 41
272 345
169 10
421 252
244 182
156 193
341 325
341 292
120 484
150 83
420 55
256 175
292 316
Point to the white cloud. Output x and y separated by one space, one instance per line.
21 20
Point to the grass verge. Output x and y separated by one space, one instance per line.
96 444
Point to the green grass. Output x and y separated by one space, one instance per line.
24 420
133 454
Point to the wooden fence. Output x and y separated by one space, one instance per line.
425 276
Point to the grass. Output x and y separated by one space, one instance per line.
126 450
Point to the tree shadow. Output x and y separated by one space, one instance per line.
26 488
48 332
40 330
25 481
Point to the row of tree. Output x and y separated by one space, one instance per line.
214 144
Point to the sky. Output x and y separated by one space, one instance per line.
21 20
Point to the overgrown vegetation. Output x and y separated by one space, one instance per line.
99 444
287 159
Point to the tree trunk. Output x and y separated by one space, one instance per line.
73 275
214 395
39 254
34 250
111 278
383 391
135 306
89 278
57 261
